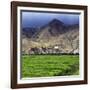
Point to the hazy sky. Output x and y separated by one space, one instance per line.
38 19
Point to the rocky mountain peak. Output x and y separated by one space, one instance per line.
56 22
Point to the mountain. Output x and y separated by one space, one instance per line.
53 29
54 33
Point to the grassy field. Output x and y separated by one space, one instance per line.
49 65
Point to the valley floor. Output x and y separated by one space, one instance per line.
49 65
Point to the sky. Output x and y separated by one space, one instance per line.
38 19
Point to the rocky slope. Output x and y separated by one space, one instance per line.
53 34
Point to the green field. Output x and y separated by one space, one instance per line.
49 65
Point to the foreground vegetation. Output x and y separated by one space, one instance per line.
49 65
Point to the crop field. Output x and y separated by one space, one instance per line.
49 65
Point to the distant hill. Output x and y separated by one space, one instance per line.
28 32
54 33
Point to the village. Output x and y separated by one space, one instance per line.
51 50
